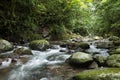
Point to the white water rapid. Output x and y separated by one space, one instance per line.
93 49
38 60
36 67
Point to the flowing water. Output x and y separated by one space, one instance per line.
93 49
34 68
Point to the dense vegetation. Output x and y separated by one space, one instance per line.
109 13
35 19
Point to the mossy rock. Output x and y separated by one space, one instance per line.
103 45
114 60
39 45
99 74
93 65
84 45
115 51
22 51
113 38
5 45
72 46
101 60
80 59
116 43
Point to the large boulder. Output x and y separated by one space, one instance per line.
80 59
114 60
99 74
84 45
22 51
5 45
39 45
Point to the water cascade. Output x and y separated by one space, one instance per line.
38 61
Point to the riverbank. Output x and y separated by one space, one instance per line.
51 62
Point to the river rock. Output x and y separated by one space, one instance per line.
97 38
93 65
100 59
114 60
69 44
104 44
22 51
75 46
115 51
39 45
99 74
72 46
84 45
113 38
9 56
63 50
63 45
116 43
5 45
54 47
1 61
80 59
70 52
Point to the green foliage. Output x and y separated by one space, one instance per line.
100 74
80 30
20 17
58 32
26 19
110 17
17 17
113 60
60 12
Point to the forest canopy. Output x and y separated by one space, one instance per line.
28 19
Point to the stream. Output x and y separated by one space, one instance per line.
34 68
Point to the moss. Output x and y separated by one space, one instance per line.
76 57
84 45
80 59
101 60
5 45
97 74
116 43
114 38
114 60
38 44
118 50
22 51
115 51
